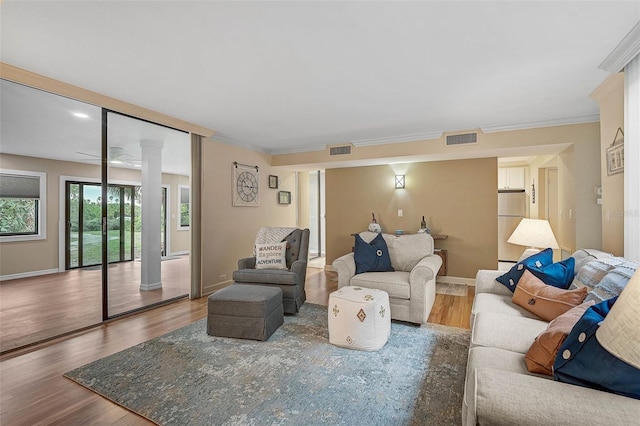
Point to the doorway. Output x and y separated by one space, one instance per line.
83 236
317 230
552 207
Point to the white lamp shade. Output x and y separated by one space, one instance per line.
619 333
534 233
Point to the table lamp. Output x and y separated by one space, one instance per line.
534 234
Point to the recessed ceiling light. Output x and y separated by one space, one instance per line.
115 162
80 115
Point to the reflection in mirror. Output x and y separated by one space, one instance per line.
51 215
148 165
44 289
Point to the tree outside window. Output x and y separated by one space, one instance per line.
183 206
22 205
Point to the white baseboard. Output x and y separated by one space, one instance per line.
456 280
179 253
28 274
149 287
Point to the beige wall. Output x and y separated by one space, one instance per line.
457 198
219 260
578 173
507 143
20 257
179 239
610 96
228 233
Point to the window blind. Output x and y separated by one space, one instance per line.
16 186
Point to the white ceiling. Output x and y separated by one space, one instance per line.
288 76
34 123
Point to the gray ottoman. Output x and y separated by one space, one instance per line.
245 312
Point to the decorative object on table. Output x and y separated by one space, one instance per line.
423 227
615 154
398 232
284 197
374 226
273 182
244 185
420 372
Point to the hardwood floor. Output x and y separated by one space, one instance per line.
37 308
33 391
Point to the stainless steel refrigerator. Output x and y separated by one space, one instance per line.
512 207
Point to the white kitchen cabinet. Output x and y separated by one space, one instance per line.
511 178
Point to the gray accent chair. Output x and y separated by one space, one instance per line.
291 281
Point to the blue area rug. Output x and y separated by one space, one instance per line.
295 378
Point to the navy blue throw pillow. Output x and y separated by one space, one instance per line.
373 256
511 278
582 361
559 274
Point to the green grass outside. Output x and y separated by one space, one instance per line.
92 247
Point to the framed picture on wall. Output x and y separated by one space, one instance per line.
273 181
284 197
615 155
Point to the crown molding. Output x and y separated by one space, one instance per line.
624 52
590 118
230 141
396 139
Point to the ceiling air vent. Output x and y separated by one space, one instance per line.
340 150
463 139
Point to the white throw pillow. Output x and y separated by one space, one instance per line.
271 256
619 332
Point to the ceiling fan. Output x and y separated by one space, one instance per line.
117 156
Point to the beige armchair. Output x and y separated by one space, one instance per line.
412 287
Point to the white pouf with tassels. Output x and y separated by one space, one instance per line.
359 318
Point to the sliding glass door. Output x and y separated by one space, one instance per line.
84 223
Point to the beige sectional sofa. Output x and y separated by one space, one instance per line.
499 390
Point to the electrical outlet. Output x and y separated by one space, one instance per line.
570 214
400 212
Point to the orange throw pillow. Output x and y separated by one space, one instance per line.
542 354
545 301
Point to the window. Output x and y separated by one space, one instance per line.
22 205
183 207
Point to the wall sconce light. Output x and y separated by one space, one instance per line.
399 181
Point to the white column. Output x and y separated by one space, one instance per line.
632 159
150 278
